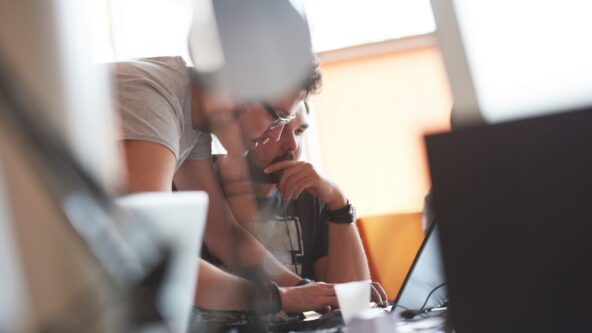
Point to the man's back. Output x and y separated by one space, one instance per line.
154 102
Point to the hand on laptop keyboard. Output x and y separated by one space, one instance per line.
378 295
318 296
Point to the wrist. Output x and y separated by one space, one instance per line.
268 298
282 292
304 282
339 201
343 215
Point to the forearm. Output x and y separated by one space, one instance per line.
225 238
346 260
241 250
218 290
238 189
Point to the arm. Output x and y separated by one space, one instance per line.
346 260
233 170
224 237
150 167
233 293
238 189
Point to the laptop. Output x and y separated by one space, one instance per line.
513 207
423 291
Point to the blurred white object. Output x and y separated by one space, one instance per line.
179 219
353 298
13 303
515 59
204 35
47 47
374 320
426 325
265 44
63 286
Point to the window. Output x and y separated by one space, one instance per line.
341 23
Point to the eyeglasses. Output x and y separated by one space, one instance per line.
277 119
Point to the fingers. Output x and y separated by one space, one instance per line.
375 296
296 177
381 291
300 185
330 291
378 294
332 301
313 296
279 166
324 309
288 179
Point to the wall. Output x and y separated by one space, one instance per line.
371 115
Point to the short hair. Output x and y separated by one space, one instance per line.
306 107
314 82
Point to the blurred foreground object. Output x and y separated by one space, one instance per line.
47 46
522 68
179 219
71 259
250 49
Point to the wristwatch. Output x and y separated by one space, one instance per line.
304 282
344 215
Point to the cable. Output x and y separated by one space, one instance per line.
410 314
429 295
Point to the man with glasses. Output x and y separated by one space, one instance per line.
166 119
306 221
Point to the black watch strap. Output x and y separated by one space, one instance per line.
344 215
304 282
267 298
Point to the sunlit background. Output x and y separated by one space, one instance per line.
384 86
141 28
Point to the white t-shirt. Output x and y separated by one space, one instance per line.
154 101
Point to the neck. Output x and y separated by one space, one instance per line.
263 190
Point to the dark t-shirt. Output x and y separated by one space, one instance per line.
303 229
297 237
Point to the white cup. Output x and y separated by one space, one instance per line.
353 298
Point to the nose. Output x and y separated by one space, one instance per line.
275 134
289 141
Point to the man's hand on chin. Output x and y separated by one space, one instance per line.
299 176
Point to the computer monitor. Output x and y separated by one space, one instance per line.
513 208
509 60
424 286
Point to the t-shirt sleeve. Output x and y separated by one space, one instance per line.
203 147
322 238
146 114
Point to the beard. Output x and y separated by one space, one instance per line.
257 174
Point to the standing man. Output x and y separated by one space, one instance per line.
167 118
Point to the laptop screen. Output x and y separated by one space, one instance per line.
424 287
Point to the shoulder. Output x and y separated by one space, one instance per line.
151 83
149 99
152 65
161 73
